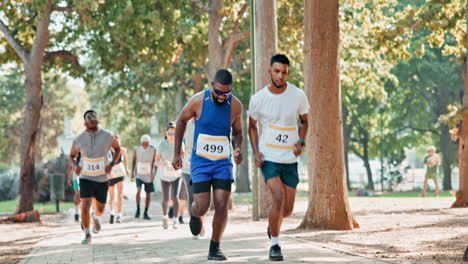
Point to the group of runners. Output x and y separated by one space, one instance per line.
209 125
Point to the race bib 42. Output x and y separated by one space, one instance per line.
280 137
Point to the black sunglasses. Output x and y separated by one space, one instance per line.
219 93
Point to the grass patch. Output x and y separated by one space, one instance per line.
10 207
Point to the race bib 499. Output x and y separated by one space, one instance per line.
213 147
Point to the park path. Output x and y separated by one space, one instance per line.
145 241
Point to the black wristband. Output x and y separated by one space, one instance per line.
301 141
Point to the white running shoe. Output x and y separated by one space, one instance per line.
164 223
96 224
87 239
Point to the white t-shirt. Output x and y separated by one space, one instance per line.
278 115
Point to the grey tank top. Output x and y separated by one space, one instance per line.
144 160
94 148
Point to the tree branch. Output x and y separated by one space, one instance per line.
200 5
14 43
64 54
356 152
418 129
66 9
238 20
231 45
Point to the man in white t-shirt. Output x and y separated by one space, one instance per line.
277 109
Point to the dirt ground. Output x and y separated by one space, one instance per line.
17 240
401 230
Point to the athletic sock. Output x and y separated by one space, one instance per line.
138 207
112 212
120 214
146 210
87 231
274 241
77 209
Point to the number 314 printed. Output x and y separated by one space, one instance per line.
93 167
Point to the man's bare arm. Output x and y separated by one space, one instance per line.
237 135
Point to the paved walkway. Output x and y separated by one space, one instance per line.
145 241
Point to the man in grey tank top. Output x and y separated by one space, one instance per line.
93 169
143 163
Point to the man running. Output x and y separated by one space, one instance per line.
215 111
73 181
93 169
118 173
170 178
189 131
277 108
143 162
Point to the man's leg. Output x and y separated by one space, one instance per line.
86 194
76 202
182 200
201 204
174 192
175 197
100 199
165 186
221 195
275 185
85 215
221 203
137 197
436 186
111 203
189 189
119 200
289 199
85 219
424 187
147 204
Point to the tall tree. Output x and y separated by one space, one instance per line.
328 200
446 22
266 45
30 47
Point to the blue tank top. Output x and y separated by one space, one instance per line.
215 120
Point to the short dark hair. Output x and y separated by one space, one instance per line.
170 125
280 58
223 77
87 112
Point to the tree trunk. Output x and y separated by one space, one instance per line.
462 194
266 45
33 85
242 171
346 133
180 99
197 82
328 196
365 144
447 157
215 45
